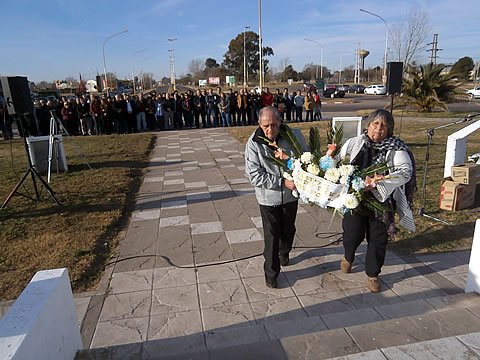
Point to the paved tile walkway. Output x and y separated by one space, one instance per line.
195 208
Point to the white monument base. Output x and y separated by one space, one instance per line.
473 277
42 322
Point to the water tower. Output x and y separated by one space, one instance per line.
362 54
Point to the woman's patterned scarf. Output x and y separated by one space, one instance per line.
381 148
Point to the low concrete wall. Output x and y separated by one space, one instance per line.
42 323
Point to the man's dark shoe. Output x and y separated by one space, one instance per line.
271 284
284 259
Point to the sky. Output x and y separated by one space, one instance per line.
54 39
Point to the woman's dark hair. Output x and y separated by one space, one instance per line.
385 116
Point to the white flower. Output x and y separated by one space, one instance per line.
306 157
297 164
344 180
351 201
313 169
287 176
332 174
346 170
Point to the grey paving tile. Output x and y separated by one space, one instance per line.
211 247
326 303
312 280
206 227
173 276
216 318
454 301
131 281
117 332
81 305
304 325
362 297
218 272
416 288
368 355
258 291
195 185
319 345
235 336
221 293
270 350
251 267
279 309
472 341
174 299
447 348
174 324
400 310
131 351
202 211
458 279
350 318
198 196
125 306
176 348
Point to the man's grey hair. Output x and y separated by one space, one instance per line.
385 116
271 109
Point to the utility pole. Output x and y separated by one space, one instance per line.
172 64
434 50
357 65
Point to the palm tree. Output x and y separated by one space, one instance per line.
429 88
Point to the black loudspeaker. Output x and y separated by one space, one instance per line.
16 93
394 77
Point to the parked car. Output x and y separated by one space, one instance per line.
356 89
343 87
376 90
333 92
309 87
474 93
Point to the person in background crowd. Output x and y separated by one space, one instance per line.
225 109
267 98
299 101
159 118
279 103
255 105
309 106
6 122
242 105
317 112
43 117
131 118
177 110
85 117
150 113
288 104
106 106
120 111
68 117
168 112
187 108
199 106
96 111
233 107
212 106
140 114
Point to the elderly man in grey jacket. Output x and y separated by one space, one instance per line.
278 207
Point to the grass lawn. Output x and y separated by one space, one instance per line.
80 234
431 236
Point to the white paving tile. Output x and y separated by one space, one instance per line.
206 228
195 185
191 162
257 220
149 179
223 160
216 188
198 196
146 215
191 168
175 221
174 182
208 163
242 236
160 158
177 204
173 173
238 181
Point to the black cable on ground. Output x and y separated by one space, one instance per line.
167 259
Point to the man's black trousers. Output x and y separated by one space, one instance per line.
278 232
355 228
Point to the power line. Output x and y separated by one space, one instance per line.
434 50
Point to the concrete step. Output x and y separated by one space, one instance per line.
345 333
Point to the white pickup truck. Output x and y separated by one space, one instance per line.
474 93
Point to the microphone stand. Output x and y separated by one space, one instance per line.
430 133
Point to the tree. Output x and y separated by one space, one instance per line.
165 80
196 67
211 63
427 88
461 69
234 57
283 63
289 73
408 40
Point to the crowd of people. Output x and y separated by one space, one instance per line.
124 113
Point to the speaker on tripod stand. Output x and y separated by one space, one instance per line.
394 80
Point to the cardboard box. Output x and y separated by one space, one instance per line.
466 173
455 196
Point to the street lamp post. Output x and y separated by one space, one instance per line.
103 54
386 44
133 71
172 64
260 43
321 57
244 58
